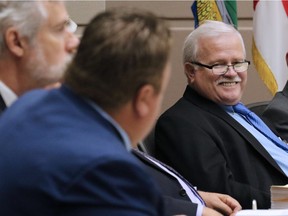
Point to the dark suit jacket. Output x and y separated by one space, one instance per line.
277 112
175 198
59 156
214 152
2 105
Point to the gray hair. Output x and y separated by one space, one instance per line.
208 29
25 16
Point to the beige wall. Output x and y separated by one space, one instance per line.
180 18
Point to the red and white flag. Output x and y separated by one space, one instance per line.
270 42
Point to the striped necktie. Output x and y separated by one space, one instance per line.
255 121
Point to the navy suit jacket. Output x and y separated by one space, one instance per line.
214 152
59 156
175 198
276 113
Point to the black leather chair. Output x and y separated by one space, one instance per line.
258 107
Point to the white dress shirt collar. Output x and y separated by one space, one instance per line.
7 94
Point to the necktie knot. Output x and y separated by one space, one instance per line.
240 108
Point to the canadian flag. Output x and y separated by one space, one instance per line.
270 42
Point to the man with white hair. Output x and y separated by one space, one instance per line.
36 43
208 135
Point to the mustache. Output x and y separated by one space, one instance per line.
228 80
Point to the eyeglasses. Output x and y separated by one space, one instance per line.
71 26
220 69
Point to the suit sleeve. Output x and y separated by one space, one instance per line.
179 207
112 187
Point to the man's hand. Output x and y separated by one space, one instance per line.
222 203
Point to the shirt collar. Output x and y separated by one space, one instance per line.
7 94
120 130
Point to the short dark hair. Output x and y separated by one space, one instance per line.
120 51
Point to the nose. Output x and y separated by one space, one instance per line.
230 71
72 43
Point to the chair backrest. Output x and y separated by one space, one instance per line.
258 107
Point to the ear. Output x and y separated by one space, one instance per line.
13 42
189 71
144 100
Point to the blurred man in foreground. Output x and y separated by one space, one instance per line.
66 150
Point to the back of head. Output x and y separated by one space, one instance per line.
25 16
207 29
120 51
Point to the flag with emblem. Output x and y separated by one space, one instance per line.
225 11
270 42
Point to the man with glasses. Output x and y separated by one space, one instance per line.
220 69
36 44
204 137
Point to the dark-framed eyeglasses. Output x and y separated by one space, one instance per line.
221 69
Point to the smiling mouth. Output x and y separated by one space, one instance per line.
228 83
